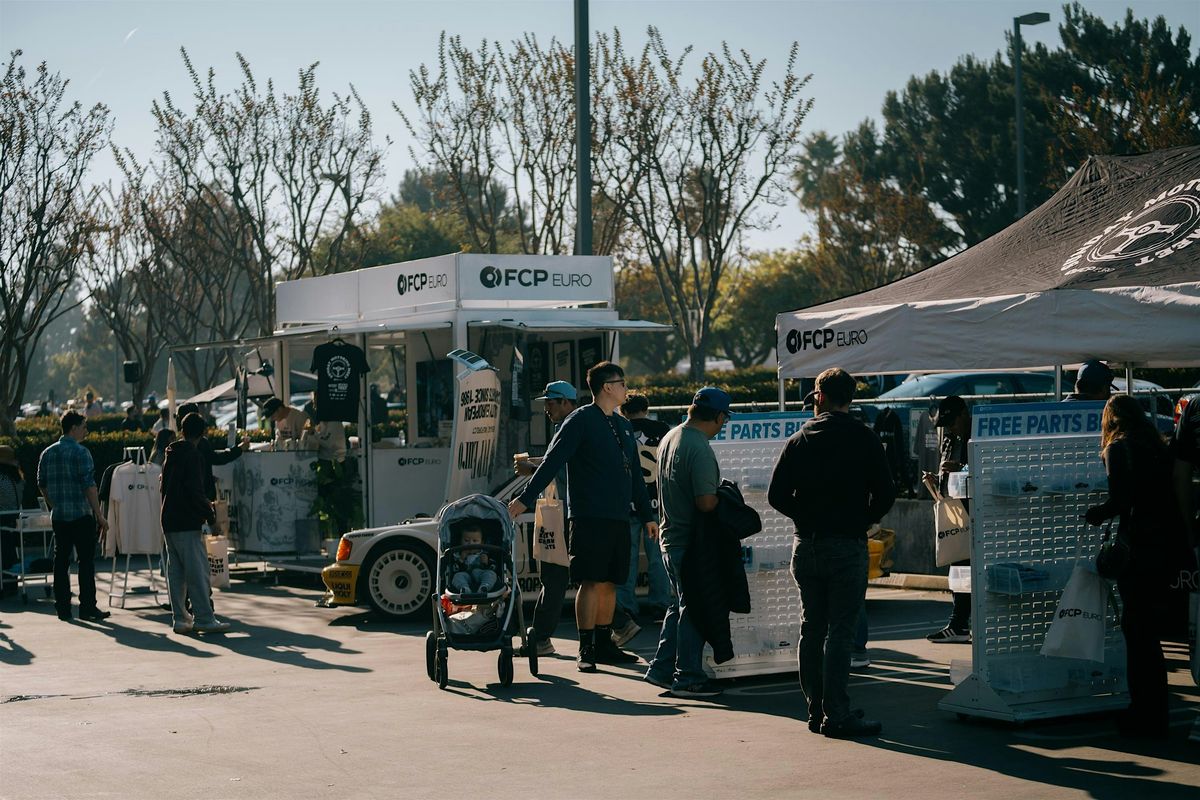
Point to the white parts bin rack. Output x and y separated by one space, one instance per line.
764 641
1028 499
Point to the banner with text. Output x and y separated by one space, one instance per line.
1024 420
476 425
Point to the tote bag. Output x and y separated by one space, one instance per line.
953 527
1077 630
218 561
550 531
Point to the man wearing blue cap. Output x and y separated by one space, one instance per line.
688 478
561 399
599 451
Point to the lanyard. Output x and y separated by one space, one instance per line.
612 426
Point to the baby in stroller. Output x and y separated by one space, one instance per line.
471 570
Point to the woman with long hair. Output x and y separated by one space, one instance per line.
12 488
1139 488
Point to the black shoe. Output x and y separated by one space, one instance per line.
609 653
65 616
586 661
95 615
852 727
704 689
1131 727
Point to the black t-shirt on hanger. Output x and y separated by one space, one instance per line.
339 367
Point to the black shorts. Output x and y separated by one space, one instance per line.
599 550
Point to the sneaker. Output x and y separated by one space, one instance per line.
621 635
183 628
703 689
609 653
852 727
815 721
95 615
545 648
948 635
586 660
859 660
65 616
212 627
654 680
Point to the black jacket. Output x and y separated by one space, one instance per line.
184 504
214 458
714 569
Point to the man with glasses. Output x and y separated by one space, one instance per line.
599 451
832 480
561 399
66 477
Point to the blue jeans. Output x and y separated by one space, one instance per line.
187 576
680 653
660 587
832 575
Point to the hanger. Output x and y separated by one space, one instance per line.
337 339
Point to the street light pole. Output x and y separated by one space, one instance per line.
1036 18
583 133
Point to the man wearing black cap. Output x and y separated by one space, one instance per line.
1094 381
289 421
832 480
600 453
954 421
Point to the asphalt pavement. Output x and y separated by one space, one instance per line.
304 702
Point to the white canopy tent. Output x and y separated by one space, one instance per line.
1104 269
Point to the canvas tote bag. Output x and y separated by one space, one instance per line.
218 561
953 526
1077 630
550 530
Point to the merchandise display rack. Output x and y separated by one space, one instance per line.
1028 496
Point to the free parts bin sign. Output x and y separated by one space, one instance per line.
768 427
476 425
1024 420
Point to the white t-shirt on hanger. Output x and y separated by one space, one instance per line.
135 510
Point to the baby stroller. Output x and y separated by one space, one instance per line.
473 619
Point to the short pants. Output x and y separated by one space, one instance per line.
599 550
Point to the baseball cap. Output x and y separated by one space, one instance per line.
559 390
1095 373
714 398
948 410
271 406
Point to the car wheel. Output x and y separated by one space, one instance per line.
398 581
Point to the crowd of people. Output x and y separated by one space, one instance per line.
631 484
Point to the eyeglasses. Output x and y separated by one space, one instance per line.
619 380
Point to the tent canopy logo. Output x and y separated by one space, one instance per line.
1164 225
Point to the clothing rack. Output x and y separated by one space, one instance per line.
116 597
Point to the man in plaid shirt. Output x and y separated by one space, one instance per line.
66 477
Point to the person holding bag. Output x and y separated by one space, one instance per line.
953 419
1139 485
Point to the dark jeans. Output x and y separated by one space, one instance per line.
832 575
78 535
548 610
1144 601
960 616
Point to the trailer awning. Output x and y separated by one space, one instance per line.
325 329
552 325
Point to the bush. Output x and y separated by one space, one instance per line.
752 385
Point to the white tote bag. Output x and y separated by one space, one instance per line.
1077 630
218 561
953 526
550 530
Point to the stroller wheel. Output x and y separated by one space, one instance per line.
443 676
431 655
531 652
505 666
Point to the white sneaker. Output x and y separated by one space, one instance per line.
212 627
622 635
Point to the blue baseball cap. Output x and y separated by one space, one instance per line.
559 390
714 398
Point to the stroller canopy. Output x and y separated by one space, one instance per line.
473 506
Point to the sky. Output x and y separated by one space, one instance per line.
126 54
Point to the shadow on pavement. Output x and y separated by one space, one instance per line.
554 691
11 652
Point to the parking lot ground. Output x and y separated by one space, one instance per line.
305 702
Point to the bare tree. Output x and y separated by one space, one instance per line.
46 146
708 155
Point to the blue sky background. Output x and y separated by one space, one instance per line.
125 54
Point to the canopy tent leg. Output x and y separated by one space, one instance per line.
1058 375
782 394
1128 378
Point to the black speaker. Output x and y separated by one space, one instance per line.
133 371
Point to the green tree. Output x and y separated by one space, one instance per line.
638 297
769 283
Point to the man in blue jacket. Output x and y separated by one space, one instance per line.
603 478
